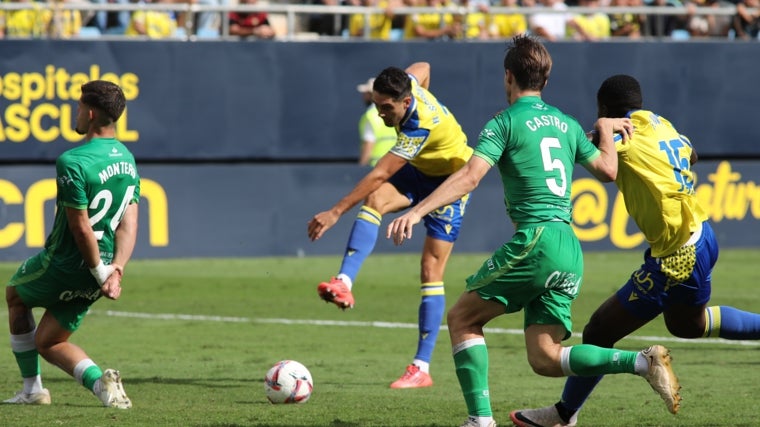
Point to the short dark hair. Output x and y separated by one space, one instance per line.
393 82
106 97
618 95
529 61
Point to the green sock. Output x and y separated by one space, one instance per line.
28 363
472 371
590 360
90 376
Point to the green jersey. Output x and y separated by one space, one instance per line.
535 147
100 176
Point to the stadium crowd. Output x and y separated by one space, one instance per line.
452 19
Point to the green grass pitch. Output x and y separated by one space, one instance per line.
194 338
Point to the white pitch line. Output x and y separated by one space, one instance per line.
391 325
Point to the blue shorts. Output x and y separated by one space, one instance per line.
443 223
684 277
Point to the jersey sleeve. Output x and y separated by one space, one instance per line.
586 151
409 143
70 183
491 142
136 195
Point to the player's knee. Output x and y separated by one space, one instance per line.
44 347
376 201
454 318
544 365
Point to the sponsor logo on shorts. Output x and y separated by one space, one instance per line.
564 281
89 294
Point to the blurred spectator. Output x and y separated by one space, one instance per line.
746 24
626 24
327 24
156 24
181 16
475 19
591 26
379 27
250 24
431 26
508 25
111 22
208 24
399 20
65 23
550 26
27 23
662 25
2 24
700 25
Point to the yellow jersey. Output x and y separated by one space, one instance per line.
379 24
508 25
429 136
158 24
657 183
431 21
32 22
596 25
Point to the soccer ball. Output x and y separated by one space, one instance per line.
288 382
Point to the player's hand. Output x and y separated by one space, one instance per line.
401 228
321 222
118 267
111 288
608 126
101 272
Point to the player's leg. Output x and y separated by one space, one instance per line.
442 227
578 388
22 332
586 363
55 328
466 320
505 283
435 254
548 357
361 242
31 286
648 292
688 315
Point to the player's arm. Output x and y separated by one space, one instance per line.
388 165
125 237
84 237
124 243
420 71
453 188
605 166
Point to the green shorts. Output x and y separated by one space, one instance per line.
67 295
539 270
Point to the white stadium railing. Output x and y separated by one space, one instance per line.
290 17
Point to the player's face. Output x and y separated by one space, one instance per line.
83 118
390 110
